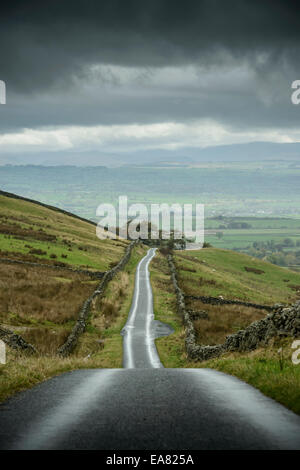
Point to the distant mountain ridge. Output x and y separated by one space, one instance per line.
253 151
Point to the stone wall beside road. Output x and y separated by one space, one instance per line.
283 321
80 324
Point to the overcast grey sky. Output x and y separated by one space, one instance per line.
122 76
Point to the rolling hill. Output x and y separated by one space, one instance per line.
215 272
32 231
50 262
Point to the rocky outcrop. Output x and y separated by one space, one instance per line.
80 324
198 314
283 321
16 341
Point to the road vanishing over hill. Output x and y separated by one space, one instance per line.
139 350
143 405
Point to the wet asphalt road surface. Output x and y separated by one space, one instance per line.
145 406
140 331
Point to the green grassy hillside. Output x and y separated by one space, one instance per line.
214 272
41 303
36 233
35 297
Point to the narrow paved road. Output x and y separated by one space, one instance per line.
145 406
139 351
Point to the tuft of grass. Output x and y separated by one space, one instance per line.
45 339
22 372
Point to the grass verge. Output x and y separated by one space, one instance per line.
271 372
170 348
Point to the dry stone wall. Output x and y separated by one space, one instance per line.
92 274
283 321
80 324
218 301
16 341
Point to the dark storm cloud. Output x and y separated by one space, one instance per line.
244 56
46 43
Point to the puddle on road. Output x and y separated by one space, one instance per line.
161 329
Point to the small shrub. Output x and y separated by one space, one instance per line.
207 282
112 264
254 270
165 250
82 248
294 287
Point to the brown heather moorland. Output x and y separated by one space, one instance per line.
39 295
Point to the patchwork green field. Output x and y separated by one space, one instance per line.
276 240
262 223
242 232
238 239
